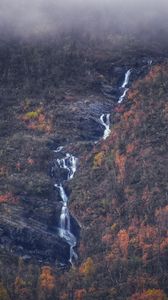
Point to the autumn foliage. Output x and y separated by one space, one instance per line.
47 279
150 295
37 120
87 268
9 198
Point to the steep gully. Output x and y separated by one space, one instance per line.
69 163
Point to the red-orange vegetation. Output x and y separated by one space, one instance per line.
132 94
98 159
123 240
130 148
8 198
79 294
120 160
47 279
162 217
128 114
87 268
30 161
20 288
151 294
164 244
37 120
154 73
148 240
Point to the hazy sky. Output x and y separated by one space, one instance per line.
33 16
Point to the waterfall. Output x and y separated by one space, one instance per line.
126 79
124 86
123 95
69 163
105 121
105 118
72 160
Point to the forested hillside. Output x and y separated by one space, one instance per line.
56 94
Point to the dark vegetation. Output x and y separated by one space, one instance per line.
49 89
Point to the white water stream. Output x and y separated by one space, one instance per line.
105 118
105 121
69 163
124 86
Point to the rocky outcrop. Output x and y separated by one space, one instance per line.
30 238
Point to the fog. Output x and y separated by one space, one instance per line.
35 17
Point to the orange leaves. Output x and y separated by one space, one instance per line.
154 73
40 124
87 268
123 239
98 159
8 198
128 114
47 279
120 160
148 241
152 294
79 294
130 148
20 287
36 120
132 94
133 117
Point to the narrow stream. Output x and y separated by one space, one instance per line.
125 86
105 118
105 121
68 163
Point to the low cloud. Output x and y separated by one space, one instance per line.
29 17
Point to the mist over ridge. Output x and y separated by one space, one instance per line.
36 17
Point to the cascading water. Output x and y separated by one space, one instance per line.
105 121
105 118
126 79
68 163
124 86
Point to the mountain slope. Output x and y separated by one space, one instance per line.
119 193
120 198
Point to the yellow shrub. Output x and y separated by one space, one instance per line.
98 159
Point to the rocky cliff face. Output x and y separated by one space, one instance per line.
118 194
